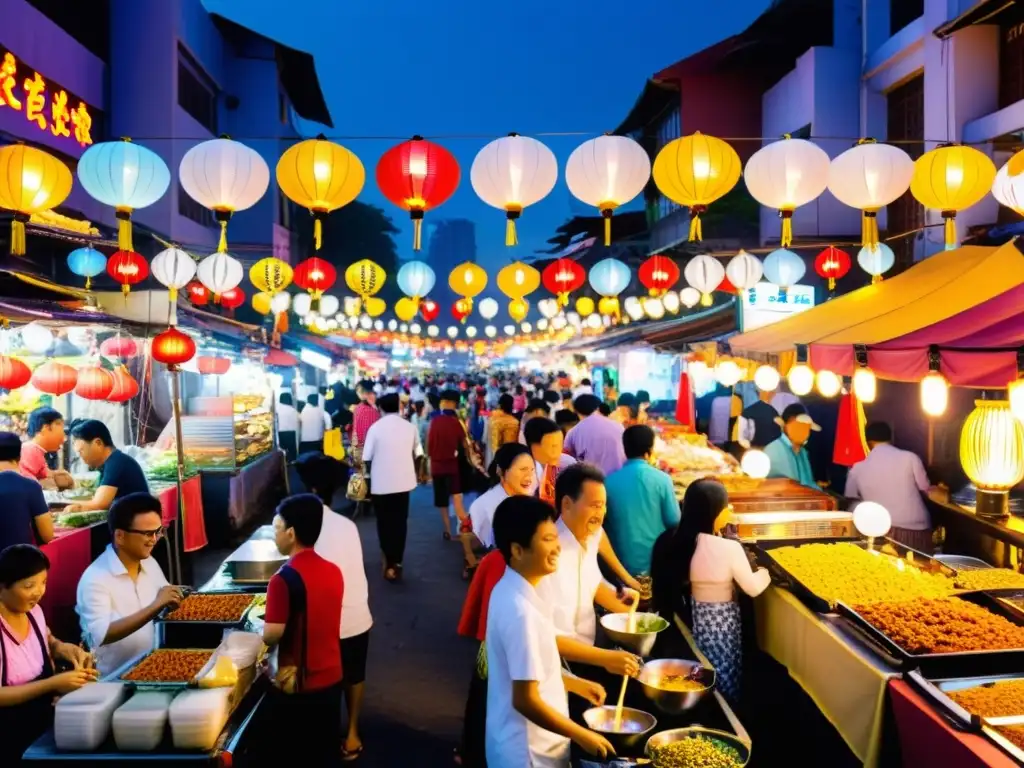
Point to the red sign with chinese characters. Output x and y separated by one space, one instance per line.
44 104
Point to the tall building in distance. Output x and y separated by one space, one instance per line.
452 241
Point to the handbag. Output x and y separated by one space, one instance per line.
291 679
357 489
332 444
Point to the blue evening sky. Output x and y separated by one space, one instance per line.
453 67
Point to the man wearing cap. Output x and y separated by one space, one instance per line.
788 453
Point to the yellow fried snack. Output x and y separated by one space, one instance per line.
990 578
844 572
946 625
998 699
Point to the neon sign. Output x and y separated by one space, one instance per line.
45 105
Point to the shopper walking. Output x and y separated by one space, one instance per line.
311 425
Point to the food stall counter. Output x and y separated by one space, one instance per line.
998 541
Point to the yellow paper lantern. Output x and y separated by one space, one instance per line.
467 280
951 179
365 278
518 280
31 181
261 302
321 176
608 305
518 309
695 171
584 306
406 309
865 384
374 307
271 275
992 454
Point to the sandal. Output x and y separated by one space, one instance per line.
447 536
351 757
391 574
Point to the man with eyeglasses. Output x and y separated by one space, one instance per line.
123 590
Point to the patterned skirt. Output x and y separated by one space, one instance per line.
717 631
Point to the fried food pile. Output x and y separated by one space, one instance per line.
1000 699
697 752
211 608
990 578
845 573
945 625
169 666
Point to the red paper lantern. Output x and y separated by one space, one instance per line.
726 286
13 372
429 310
119 346
54 378
125 386
172 347
198 293
128 268
94 383
460 310
213 366
832 264
416 176
314 275
658 274
562 277
233 298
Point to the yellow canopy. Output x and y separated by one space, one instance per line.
933 290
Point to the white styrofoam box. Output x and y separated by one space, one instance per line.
140 722
82 719
198 716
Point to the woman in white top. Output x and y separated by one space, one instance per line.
513 474
694 571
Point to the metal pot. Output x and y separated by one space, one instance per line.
678 734
636 724
642 643
674 702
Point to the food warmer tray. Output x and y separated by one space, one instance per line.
819 604
943 665
161 618
117 676
963 562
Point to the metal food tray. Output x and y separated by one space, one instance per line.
1004 743
963 562
117 676
819 604
938 666
241 622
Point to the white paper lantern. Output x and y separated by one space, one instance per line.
689 297
785 175
378 325
488 308
744 270
800 379
1009 190
470 331
548 307
728 373
366 322
654 308
510 330
828 383
671 302
594 322
607 172
392 325
329 305
784 269
574 319
633 308
767 378
414 329
865 385
756 464
868 177
281 302
871 519
302 304
37 338
512 173
705 273
934 394
452 331
416 278
490 331
173 269
559 322
220 272
876 260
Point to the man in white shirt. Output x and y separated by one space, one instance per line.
395 443
287 425
585 388
123 590
311 426
528 720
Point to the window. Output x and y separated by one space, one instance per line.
87 23
905 107
669 129
193 211
1011 60
196 93
902 12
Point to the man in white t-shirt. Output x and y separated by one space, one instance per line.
311 426
528 720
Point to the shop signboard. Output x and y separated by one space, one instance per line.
765 304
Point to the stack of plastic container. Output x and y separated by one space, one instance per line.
140 722
198 716
81 721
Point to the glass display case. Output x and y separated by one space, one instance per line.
253 428
228 432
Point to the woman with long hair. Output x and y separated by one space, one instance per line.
693 570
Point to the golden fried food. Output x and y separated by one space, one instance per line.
846 573
990 578
999 699
1014 734
678 683
169 666
211 608
697 752
946 625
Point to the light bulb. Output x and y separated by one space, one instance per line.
934 394
800 379
828 383
756 464
766 378
727 373
871 519
865 385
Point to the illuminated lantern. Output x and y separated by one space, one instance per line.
743 271
31 181
54 378
695 171
121 347
934 393
865 384
213 366
302 304
468 280
452 331
416 279
488 308
87 262
125 386
756 464
329 306
728 373
800 379
37 338
220 272
518 280
232 298
173 269
270 275
653 308
633 308
406 308
280 303
705 273
784 269
261 302
429 310
365 278
607 305
785 175
417 176
126 177
128 268
518 309
767 378
315 275
94 383
828 383
13 372
585 306
172 347
876 261
224 176
461 310
511 173
832 264
949 179
868 177
607 172
1008 187
561 277
658 274
992 454
609 277
671 302
690 297
198 293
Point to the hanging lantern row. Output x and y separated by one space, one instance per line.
90 382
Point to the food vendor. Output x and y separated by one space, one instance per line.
120 474
45 435
25 518
28 680
544 439
895 479
788 453
123 589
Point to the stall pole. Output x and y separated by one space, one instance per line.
178 531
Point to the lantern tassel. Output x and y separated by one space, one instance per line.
606 212
512 213
831 284
787 228
869 229
876 279
88 283
318 233
950 229
696 231
124 229
706 300
18 234
124 290
222 243
172 294
416 215
563 299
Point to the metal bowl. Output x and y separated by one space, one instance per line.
635 725
674 702
639 642
678 734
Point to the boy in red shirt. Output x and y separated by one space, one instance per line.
302 616
446 439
